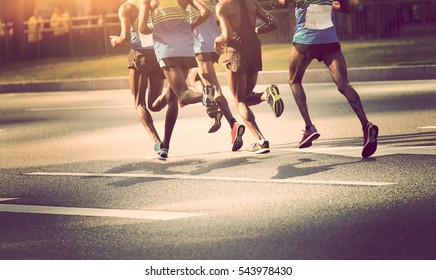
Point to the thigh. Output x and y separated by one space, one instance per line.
138 85
337 67
298 64
238 85
251 81
155 88
176 77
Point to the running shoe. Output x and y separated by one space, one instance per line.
370 134
215 123
260 149
237 132
156 146
209 101
308 136
162 154
274 100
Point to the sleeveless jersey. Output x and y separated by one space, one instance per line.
138 40
172 34
205 33
244 40
314 22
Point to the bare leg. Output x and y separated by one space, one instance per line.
176 77
208 76
193 82
338 71
298 64
239 88
138 86
157 97
170 119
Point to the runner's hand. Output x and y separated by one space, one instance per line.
115 41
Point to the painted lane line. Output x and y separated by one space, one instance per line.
355 151
213 178
7 199
97 212
427 127
78 108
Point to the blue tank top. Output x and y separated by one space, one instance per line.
205 33
139 41
314 22
172 34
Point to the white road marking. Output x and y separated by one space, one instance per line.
7 199
94 212
79 108
427 127
356 151
214 178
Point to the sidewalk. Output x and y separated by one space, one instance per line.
386 73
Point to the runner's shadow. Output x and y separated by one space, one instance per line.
185 167
291 170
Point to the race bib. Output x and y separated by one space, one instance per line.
319 17
146 40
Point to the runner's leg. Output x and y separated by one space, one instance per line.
208 76
298 64
338 71
176 77
238 86
138 86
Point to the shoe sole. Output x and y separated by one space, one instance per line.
261 151
308 142
217 123
371 146
275 101
237 144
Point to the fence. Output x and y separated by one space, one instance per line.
90 35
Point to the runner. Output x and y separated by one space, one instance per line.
145 73
244 60
174 46
315 37
204 36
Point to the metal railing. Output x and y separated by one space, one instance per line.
388 19
90 35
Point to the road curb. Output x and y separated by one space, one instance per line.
361 74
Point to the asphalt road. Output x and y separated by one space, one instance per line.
79 180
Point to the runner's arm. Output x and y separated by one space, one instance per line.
204 13
270 23
144 14
124 15
226 29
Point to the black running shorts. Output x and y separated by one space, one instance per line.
318 51
145 62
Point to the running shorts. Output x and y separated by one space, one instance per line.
234 63
208 56
318 51
145 62
183 62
